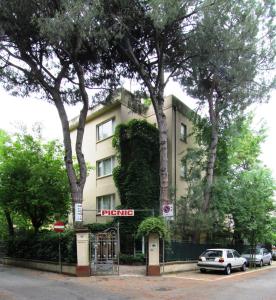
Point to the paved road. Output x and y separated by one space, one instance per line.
21 284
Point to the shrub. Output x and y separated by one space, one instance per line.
126 259
153 225
99 227
43 246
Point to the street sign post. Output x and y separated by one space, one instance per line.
78 212
59 227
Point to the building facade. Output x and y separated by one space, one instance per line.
100 191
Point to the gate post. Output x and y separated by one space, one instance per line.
83 260
153 267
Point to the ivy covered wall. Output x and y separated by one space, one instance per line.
137 175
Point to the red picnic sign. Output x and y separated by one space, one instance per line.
59 226
117 212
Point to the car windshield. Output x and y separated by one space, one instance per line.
252 251
212 253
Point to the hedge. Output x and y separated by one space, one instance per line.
138 259
43 246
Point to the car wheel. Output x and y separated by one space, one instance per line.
243 268
270 262
227 270
261 263
203 270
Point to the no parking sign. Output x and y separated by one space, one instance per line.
167 210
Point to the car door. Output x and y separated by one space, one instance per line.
238 259
266 256
230 258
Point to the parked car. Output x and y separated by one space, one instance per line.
258 256
273 253
222 260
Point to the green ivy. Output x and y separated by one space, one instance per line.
153 225
137 175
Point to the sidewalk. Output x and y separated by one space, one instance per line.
132 270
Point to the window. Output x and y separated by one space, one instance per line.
236 254
229 254
105 166
212 253
105 202
183 132
183 169
105 130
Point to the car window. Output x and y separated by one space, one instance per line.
229 254
212 253
252 251
236 253
265 251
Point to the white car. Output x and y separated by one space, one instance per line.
221 260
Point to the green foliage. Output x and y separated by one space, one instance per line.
240 146
252 204
3 226
55 52
138 259
243 191
137 176
33 181
99 227
153 225
43 246
232 49
242 188
272 231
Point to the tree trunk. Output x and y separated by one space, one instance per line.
36 229
212 153
9 222
76 184
163 144
36 224
156 91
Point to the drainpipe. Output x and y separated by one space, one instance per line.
174 109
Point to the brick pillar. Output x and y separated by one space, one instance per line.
83 259
153 267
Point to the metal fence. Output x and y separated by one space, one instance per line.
183 251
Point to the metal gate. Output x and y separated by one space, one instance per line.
104 252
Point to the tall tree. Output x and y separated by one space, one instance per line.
148 37
235 47
252 204
238 169
33 181
239 148
4 139
36 59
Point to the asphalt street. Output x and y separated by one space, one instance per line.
21 284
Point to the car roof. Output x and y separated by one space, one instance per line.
220 249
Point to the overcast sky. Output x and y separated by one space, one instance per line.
27 111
